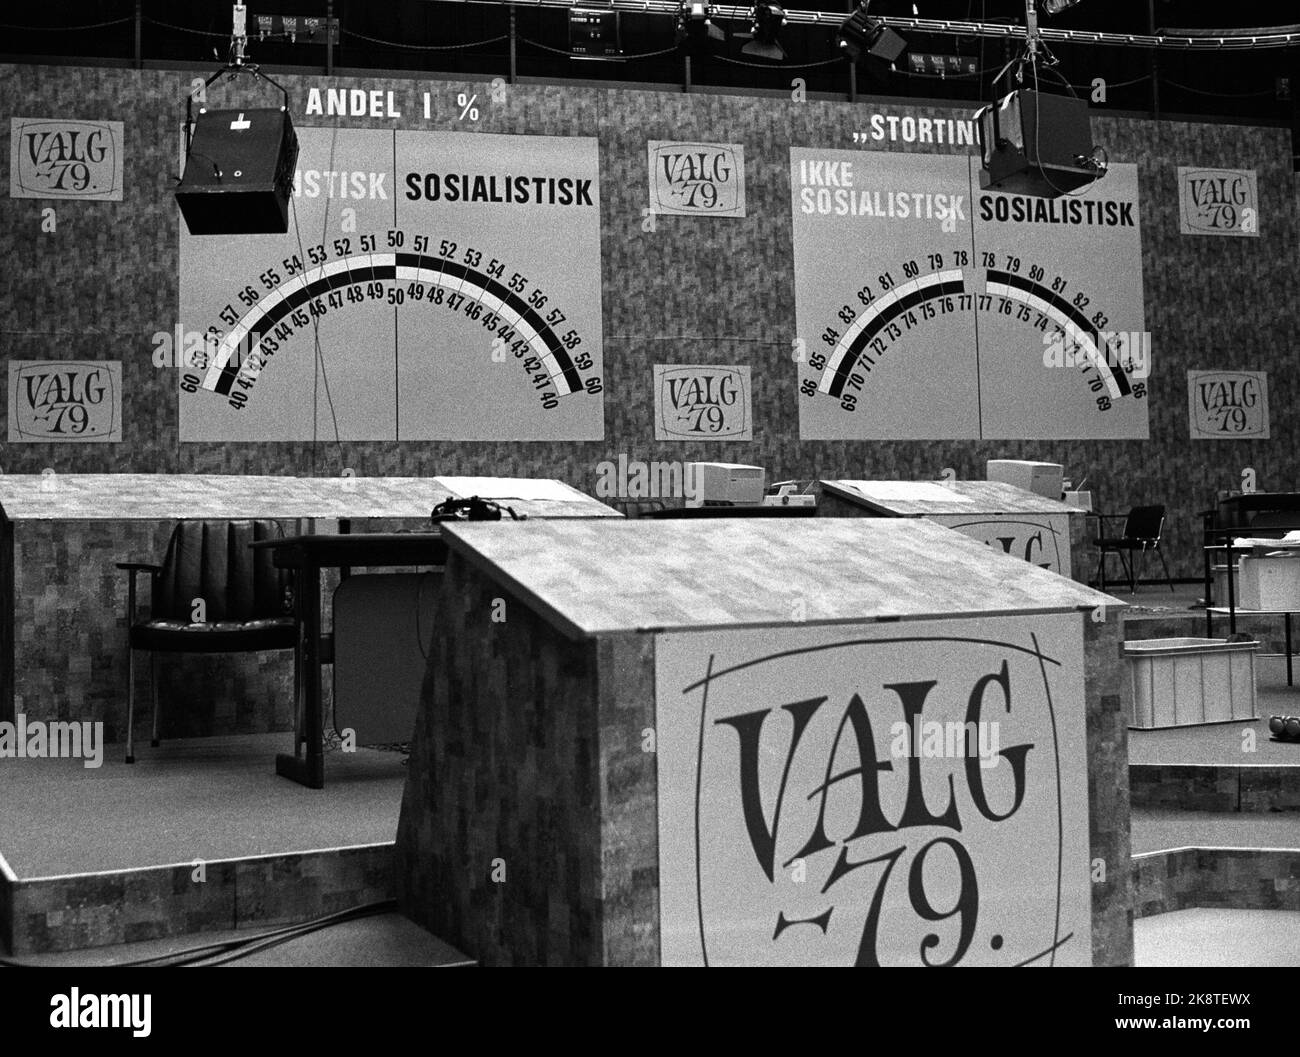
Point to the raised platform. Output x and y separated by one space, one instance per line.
197 836
1222 767
1215 824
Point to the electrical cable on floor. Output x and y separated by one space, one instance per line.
266 942
241 946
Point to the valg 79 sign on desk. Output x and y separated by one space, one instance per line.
882 794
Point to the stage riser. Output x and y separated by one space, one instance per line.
1231 878
98 910
1196 788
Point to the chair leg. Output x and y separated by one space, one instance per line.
297 699
1135 569
1101 571
1168 579
153 693
130 704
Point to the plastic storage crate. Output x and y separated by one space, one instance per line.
1184 682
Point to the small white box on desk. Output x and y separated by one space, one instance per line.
1269 583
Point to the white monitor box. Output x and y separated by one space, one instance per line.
1041 478
728 482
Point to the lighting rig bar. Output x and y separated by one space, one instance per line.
1186 40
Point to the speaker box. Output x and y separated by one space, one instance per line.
887 46
239 172
1034 143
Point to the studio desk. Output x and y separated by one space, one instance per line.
62 599
1049 533
385 623
688 742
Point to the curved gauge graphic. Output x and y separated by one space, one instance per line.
517 316
966 348
881 322
885 318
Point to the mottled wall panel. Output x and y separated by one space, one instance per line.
499 841
691 291
70 639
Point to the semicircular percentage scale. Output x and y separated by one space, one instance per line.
948 291
295 302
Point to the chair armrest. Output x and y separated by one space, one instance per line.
131 569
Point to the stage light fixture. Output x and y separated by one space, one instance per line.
1055 7
864 37
766 20
695 27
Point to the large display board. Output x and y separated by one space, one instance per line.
431 286
932 310
888 794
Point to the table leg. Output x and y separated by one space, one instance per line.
8 609
1287 618
1209 592
308 770
1232 599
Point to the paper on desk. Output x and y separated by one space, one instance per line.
1289 542
905 491
521 488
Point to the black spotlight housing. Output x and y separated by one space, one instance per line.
696 30
863 37
767 20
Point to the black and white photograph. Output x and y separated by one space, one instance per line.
648 483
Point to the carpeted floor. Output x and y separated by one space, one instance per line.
204 798
384 940
1216 938
1222 744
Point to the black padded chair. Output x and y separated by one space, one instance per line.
247 603
1143 527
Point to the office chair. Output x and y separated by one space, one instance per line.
247 603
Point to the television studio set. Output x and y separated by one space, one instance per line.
506 483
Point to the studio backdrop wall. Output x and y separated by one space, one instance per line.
524 280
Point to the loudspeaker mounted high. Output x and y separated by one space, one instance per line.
239 172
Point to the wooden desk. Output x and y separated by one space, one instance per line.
695 513
589 746
1043 531
62 646
308 556
529 497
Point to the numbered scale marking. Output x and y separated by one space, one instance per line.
1067 317
499 305
886 314
864 334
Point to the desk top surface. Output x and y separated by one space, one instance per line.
918 498
602 577
535 497
148 497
